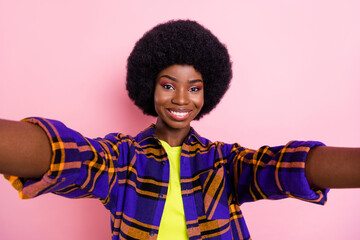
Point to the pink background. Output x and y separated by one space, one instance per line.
296 76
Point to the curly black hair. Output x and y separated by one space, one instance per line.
178 42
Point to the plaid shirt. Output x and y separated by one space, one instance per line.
130 177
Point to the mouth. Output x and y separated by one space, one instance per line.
179 115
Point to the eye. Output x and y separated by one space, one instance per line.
194 89
167 86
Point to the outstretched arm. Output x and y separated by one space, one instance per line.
333 167
24 149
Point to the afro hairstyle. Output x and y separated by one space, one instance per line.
182 42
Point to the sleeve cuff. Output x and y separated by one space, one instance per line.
62 169
294 183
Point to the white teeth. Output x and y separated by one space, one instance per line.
180 114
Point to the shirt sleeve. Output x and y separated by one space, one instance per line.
80 167
273 173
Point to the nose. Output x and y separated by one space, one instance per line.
181 97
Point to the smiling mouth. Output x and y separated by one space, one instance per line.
179 115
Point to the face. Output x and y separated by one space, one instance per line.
179 95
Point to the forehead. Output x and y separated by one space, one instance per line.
179 72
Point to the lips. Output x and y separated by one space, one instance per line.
179 114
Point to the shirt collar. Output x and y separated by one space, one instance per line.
148 134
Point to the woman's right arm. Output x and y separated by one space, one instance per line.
25 149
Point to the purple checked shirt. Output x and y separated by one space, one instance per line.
130 176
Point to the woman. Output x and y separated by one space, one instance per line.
168 182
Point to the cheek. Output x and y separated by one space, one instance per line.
156 100
160 99
199 101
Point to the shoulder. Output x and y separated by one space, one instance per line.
208 145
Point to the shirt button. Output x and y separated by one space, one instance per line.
160 196
152 234
187 194
163 162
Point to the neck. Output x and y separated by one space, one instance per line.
173 136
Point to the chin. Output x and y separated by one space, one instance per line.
178 125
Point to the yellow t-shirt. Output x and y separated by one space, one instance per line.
173 224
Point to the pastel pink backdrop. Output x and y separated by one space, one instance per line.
296 76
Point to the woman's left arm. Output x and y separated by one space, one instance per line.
333 167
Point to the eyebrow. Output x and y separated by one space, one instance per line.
174 79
